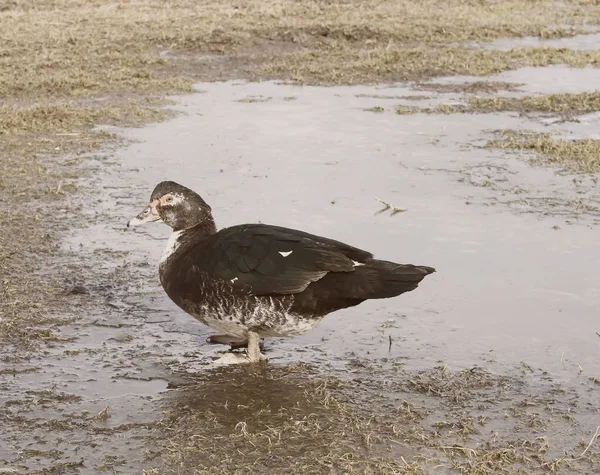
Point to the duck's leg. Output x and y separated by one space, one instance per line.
224 339
253 351
233 341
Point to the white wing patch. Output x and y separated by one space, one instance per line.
356 263
285 253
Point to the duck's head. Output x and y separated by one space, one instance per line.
175 205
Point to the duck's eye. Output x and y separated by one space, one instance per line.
169 199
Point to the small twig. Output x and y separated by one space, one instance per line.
395 209
102 415
390 347
597 333
596 434
387 205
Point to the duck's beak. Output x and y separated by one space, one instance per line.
149 215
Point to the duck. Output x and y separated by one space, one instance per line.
255 281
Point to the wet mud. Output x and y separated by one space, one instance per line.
491 366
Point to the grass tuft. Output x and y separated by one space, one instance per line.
371 65
581 156
567 105
67 116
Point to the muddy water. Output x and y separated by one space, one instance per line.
517 260
557 79
509 286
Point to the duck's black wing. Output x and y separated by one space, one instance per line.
272 260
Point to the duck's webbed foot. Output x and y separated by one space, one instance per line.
232 357
253 345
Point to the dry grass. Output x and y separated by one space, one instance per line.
582 156
343 65
377 419
566 105
470 87
24 299
406 110
377 109
79 48
59 49
458 387
35 183
67 116
283 420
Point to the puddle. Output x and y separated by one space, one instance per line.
516 275
557 79
500 288
501 256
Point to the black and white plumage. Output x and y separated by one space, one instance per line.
256 280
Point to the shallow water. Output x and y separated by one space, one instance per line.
516 260
509 286
559 79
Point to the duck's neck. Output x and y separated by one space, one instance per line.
206 228
178 239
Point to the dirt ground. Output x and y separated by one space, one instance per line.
92 381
